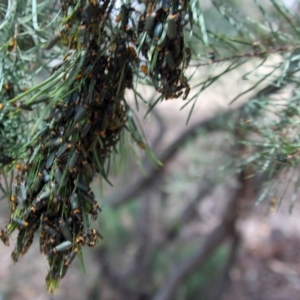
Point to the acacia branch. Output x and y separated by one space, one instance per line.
255 53
224 279
189 212
213 241
117 281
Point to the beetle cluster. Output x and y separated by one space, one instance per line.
52 190
158 36
162 29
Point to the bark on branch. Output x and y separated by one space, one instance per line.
213 241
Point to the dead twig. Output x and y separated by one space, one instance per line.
224 280
213 241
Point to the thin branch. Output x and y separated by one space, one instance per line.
254 53
224 279
213 241
144 244
189 212
117 281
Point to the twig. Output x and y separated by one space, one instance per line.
213 241
143 240
250 54
224 279
117 281
188 214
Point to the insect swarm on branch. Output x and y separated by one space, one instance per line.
52 190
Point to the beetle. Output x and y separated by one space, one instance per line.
124 15
80 240
14 186
42 243
42 196
90 197
54 142
166 5
62 149
58 177
50 160
49 230
85 129
188 56
19 222
70 257
157 31
64 246
212 56
27 245
46 176
4 237
38 181
68 112
172 26
88 170
186 92
73 160
43 131
15 255
36 205
81 147
74 201
81 113
64 228
94 142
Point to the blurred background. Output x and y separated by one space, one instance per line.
190 228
